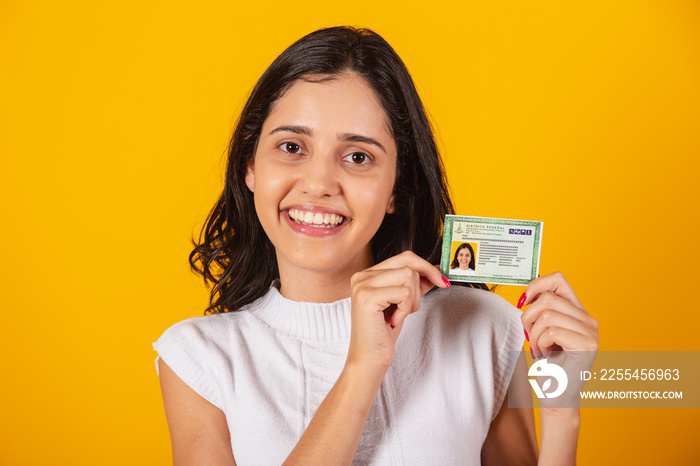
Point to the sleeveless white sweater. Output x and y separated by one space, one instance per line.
270 365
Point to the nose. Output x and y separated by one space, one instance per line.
320 176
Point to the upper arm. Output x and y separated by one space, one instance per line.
198 429
512 438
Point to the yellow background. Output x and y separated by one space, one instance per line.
114 118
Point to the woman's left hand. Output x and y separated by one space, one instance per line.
561 330
556 319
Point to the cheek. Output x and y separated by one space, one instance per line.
375 198
270 189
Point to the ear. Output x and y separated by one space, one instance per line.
391 206
250 176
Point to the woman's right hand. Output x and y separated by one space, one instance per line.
382 297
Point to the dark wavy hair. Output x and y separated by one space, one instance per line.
455 263
232 243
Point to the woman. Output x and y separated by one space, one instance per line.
463 261
320 250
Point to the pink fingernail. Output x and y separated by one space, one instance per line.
526 337
447 282
522 301
532 354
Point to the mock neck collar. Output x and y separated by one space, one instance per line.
304 320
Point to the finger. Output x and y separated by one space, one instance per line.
568 340
397 318
402 276
427 285
382 297
551 302
550 319
432 276
555 320
553 283
416 291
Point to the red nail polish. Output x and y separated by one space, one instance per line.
522 301
526 337
447 282
532 354
392 326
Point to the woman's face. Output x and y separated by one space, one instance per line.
464 257
323 175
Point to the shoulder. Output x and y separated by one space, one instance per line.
471 304
475 335
197 329
197 348
480 326
479 316
204 332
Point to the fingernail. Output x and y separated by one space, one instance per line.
447 282
522 301
526 337
394 326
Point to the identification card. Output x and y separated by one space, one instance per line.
491 250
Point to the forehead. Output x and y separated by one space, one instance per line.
344 103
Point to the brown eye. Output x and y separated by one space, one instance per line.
291 147
358 158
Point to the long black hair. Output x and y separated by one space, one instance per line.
455 262
232 243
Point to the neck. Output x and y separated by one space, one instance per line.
320 286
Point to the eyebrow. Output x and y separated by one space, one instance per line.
305 130
347 137
357 138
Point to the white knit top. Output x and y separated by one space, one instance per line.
270 365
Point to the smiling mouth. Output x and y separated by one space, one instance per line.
315 219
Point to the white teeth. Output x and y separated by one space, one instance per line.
316 219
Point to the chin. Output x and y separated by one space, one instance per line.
313 260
